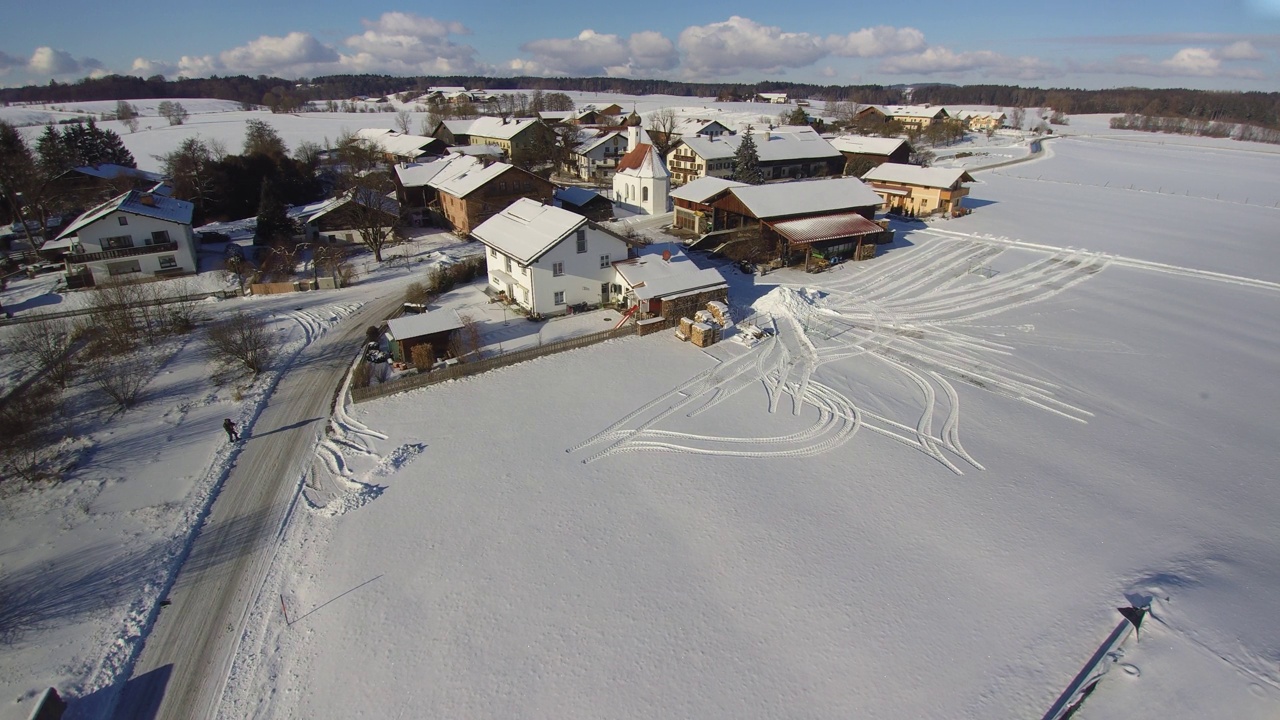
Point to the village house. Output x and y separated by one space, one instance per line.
690 127
414 191
664 285
691 200
435 329
641 182
862 153
93 184
598 155
545 259
773 98
134 235
912 117
336 219
471 197
512 136
786 152
797 221
398 147
921 191
981 121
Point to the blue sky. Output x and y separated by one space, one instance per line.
1232 45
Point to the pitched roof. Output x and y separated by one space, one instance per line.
136 203
111 171
576 196
825 227
463 184
651 277
491 127
394 143
594 141
805 197
704 188
427 323
527 229
914 111
694 126
915 175
867 145
789 142
642 161
420 174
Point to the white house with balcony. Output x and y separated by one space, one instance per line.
136 235
545 259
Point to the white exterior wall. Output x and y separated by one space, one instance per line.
582 277
139 229
603 156
629 190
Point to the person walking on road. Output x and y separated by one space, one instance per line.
230 427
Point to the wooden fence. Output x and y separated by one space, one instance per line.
476 367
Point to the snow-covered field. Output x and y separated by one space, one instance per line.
923 497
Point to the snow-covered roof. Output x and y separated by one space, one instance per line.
916 175
650 276
825 227
527 229
557 115
461 185
913 111
867 145
136 203
110 171
576 195
806 196
704 188
420 174
594 141
394 143
789 142
490 151
427 323
642 161
694 126
373 200
975 114
490 127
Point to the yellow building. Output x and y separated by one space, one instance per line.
922 191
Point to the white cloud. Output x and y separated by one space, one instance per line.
737 44
278 54
1239 50
1187 62
877 41
142 67
193 66
47 61
985 62
400 42
593 53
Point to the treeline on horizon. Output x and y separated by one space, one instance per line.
1255 108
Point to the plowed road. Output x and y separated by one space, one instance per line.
184 662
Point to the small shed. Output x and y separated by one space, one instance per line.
431 328
587 203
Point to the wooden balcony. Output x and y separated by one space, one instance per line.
122 253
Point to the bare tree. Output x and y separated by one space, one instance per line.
1016 117
121 378
174 112
241 340
368 210
662 126
127 114
466 343
42 347
404 120
27 423
843 113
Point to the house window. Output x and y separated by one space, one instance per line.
644 194
560 298
119 241
524 292
557 269
508 264
168 262
604 261
493 252
617 289
582 240
159 237
123 220
524 270
123 268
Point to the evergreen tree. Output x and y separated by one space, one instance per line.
273 223
55 158
747 169
18 172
